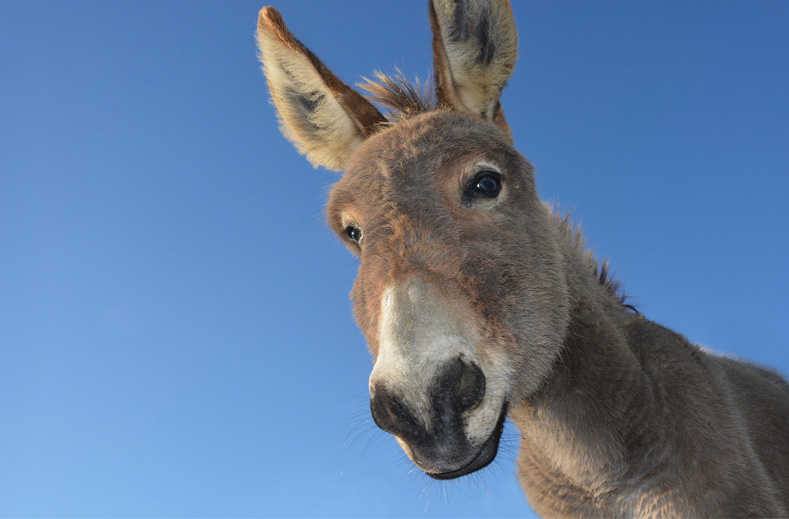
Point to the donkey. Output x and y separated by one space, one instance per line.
478 302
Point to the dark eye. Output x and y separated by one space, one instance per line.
485 183
354 233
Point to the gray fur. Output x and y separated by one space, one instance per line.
620 417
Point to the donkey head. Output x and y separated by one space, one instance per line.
460 292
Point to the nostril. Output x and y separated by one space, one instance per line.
470 388
393 416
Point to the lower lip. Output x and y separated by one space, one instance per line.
486 454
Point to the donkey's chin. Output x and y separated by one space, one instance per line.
481 459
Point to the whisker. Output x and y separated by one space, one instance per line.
313 216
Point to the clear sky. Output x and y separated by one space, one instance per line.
175 331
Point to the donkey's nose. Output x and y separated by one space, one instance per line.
457 387
392 415
468 385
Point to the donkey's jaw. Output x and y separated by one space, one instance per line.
435 385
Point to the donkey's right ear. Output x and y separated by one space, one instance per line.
325 118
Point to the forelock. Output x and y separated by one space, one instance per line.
398 96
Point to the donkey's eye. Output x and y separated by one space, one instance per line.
354 233
486 183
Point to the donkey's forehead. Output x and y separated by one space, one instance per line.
437 137
429 147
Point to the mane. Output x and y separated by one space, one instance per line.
399 97
599 269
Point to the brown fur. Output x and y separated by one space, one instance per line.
619 416
401 97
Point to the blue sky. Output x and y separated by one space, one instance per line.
176 334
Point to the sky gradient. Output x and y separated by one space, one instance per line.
176 335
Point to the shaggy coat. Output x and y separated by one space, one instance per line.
478 302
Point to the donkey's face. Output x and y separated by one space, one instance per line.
460 291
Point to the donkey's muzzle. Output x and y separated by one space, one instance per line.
434 432
459 388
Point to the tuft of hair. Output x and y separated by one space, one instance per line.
599 269
398 96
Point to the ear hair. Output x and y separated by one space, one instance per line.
475 46
324 118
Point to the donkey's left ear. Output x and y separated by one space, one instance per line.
325 118
475 46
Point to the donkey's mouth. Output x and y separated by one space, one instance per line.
486 454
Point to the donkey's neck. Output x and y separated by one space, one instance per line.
592 423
